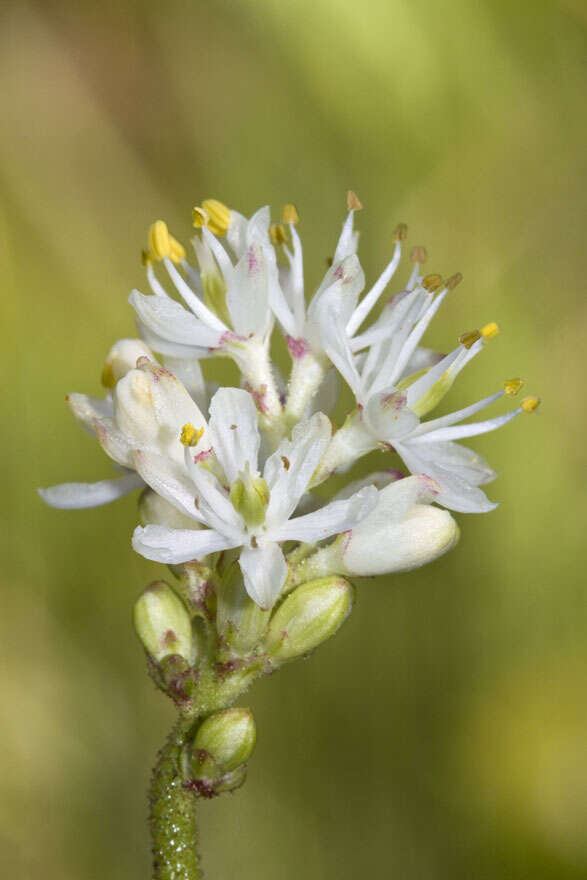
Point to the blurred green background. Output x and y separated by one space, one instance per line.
442 734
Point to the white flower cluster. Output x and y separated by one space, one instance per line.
240 478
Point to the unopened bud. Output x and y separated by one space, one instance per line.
250 496
122 358
402 532
308 616
241 623
162 623
223 743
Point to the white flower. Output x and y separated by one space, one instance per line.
142 410
391 402
243 509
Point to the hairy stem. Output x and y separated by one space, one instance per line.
173 810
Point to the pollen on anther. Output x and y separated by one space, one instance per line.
286 462
455 279
529 404
469 338
490 331
512 386
400 233
418 254
277 233
432 282
353 202
289 214
190 436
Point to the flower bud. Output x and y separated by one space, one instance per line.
308 616
401 533
163 624
250 496
122 358
223 743
239 620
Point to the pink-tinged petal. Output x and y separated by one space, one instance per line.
168 320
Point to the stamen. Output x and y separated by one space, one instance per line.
469 338
176 250
213 214
146 258
432 282
512 386
159 244
200 217
277 233
289 214
353 202
490 331
418 254
455 279
190 436
529 404
400 233
108 379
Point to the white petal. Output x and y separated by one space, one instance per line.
461 460
172 349
72 496
172 546
201 310
258 227
264 570
455 492
289 470
87 409
338 516
473 430
388 416
189 373
213 501
169 321
348 241
379 479
247 297
124 354
234 431
168 479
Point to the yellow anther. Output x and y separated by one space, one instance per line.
199 217
218 216
529 404
289 214
418 254
277 233
452 282
190 436
146 258
512 386
353 202
469 338
159 245
490 331
108 379
400 233
176 250
432 282
213 214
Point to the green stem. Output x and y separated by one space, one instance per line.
173 810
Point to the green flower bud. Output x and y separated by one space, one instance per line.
239 620
308 616
223 743
250 497
163 624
